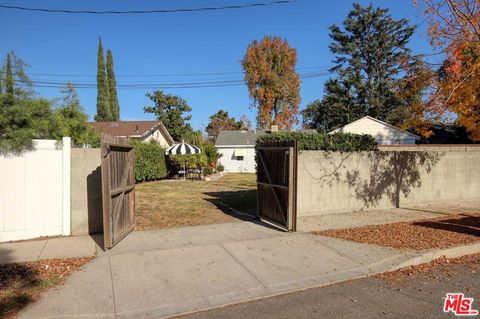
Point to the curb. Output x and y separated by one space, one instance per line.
429 255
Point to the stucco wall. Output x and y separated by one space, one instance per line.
232 164
86 188
396 176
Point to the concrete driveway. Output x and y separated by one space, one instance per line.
154 274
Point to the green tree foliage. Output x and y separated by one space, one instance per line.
371 57
103 97
30 117
9 83
22 117
23 121
70 119
112 86
171 109
194 137
221 121
272 81
150 162
340 142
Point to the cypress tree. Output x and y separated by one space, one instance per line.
112 87
9 83
103 100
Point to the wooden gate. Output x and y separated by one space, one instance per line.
277 183
118 188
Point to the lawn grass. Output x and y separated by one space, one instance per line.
22 283
176 203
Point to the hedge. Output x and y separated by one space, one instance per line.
150 162
340 142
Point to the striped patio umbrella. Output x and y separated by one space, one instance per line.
183 149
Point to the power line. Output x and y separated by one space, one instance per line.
240 6
165 75
181 85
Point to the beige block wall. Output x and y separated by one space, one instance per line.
402 176
86 191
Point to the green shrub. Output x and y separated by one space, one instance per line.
220 168
207 170
211 153
150 162
340 142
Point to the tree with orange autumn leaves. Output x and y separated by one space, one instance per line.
273 83
454 26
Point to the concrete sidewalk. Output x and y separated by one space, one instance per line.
155 274
51 248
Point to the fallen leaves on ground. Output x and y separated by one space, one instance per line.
440 232
441 263
21 283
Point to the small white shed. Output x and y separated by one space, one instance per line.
238 150
383 133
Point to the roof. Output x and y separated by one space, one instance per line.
131 128
354 124
238 138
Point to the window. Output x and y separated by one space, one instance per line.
239 154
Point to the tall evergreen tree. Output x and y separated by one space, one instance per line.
171 110
1 84
371 58
112 87
103 100
9 83
221 121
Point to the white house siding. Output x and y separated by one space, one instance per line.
230 162
158 137
383 133
35 192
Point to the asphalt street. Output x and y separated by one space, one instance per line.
410 296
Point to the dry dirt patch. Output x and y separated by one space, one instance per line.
440 232
22 283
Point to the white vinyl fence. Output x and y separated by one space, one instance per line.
35 191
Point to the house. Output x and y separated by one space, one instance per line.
238 150
145 131
383 133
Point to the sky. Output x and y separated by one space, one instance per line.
63 47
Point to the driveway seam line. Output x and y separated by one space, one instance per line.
342 254
234 239
245 267
43 249
113 289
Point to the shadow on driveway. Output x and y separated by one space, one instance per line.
241 204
